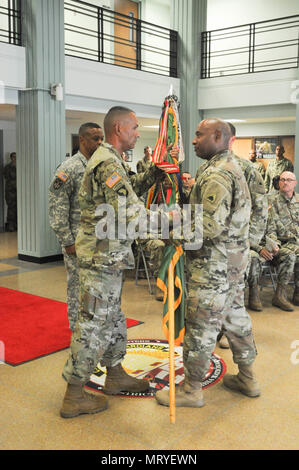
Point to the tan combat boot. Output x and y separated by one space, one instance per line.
118 380
244 382
77 401
188 395
254 301
296 296
280 298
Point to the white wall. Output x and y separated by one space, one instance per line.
226 13
109 82
258 89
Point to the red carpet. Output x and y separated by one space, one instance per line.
32 326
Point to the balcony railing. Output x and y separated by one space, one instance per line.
256 47
10 21
107 36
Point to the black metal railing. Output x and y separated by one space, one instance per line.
107 36
10 21
256 47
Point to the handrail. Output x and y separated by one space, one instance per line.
269 45
12 34
153 48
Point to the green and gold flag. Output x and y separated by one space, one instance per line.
173 259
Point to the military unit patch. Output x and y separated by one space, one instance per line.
148 358
60 178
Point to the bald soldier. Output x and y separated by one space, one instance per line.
64 209
100 334
215 272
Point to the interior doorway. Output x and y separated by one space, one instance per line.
125 49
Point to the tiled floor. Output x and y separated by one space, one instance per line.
31 394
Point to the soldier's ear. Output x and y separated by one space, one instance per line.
117 128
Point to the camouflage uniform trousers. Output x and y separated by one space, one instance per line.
211 309
254 268
101 332
12 210
287 261
72 274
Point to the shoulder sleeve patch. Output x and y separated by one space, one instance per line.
112 180
62 176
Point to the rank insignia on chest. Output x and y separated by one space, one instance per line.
112 180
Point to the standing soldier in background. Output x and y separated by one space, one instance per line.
276 167
146 162
258 165
10 176
64 209
258 221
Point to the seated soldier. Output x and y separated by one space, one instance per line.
283 229
280 246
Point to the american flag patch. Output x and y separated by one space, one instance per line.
62 176
114 178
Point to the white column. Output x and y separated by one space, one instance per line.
40 126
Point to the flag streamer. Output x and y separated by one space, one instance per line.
171 274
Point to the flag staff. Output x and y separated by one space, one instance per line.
172 414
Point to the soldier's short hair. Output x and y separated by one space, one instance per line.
113 113
88 125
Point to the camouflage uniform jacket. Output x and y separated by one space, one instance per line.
259 203
10 175
260 168
222 190
283 222
274 168
143 165
106 182
64 208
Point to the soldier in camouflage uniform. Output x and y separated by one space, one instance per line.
146 162
276 167
64 209
107 190
283 229
10 176
215 272
258 165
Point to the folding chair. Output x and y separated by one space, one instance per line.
269 270
139 268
